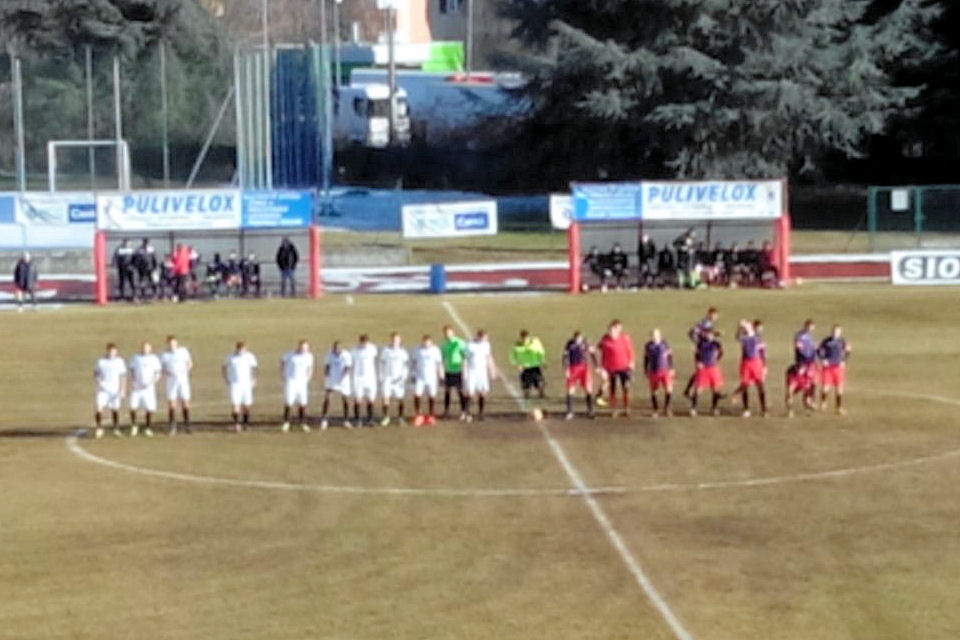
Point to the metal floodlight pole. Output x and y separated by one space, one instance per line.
241 152
469 43
117 112
164 115
91 126
336 44
391 69
18 125
267 128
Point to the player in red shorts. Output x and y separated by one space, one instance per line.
658 366
802 376
617 360
833 354
578 357
708 374
753 365
708 323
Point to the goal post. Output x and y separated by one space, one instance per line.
121 160
717 213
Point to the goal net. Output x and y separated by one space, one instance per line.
679 234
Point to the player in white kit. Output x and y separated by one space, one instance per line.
364 377
394 371
296 369
239 372
427 374
145 369
480 369
110 375
337 374
177 364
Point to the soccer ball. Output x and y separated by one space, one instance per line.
537 414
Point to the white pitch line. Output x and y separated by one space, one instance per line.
73 444
598 512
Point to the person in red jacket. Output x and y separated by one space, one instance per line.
181 270
617 360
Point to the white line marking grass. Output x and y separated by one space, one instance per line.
598 512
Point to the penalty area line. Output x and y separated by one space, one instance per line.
596 510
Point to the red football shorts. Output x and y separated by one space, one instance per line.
752 371
709 377
803 380
659 379
579 374
834 375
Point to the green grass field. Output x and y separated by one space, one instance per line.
815 527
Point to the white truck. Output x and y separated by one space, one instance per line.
441 104
362 116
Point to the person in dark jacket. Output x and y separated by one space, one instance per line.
25 281
287 258
618 263
666 267
145 263
647 260
123 262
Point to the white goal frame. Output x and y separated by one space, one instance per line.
123 159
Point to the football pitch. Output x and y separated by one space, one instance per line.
690 528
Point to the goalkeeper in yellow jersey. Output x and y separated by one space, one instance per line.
529 356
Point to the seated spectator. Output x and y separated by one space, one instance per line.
233 274
666 267
250 272
214 278
594 262
769 273
751 263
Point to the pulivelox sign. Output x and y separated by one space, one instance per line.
149 210
925 267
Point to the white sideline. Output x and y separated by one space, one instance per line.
599 514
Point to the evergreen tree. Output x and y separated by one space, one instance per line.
717 88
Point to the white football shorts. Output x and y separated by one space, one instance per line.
341 386
108 400
427 388
178 389
477 383
241 395
394 389
295 392
145 399
365 389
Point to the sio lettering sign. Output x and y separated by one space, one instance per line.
925 267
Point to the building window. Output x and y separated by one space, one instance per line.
450 6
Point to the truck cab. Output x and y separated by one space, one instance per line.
362 114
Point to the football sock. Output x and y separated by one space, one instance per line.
653 399
570 403
400 408
666 400
746 399
133 417
589 399
416 405
246 415
763 398
172 414
356 410
326 405
186 416
839 401
302 413
286 413
693 399
369 410
465 406
464 400
346 408
626 398
446 400
431 403
147 419
481 404
97 418
236 417
116 418
716 399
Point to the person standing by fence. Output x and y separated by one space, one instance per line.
287 258
123 262
25 281
181 271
